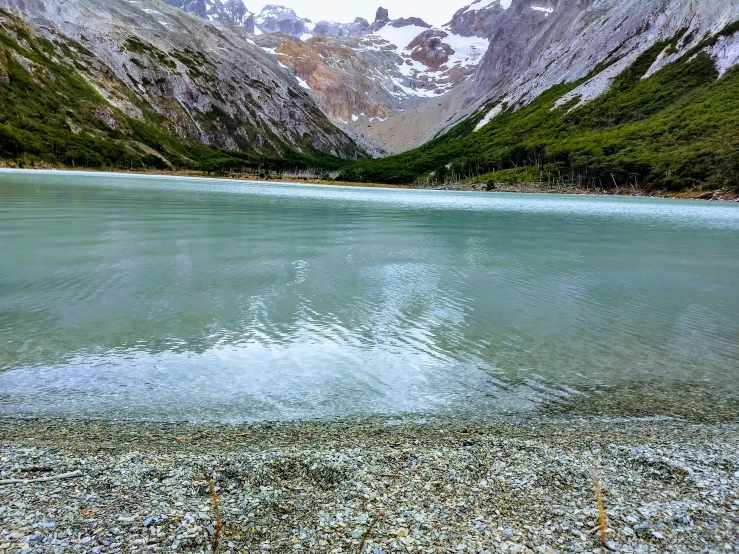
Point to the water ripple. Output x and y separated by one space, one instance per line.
170 298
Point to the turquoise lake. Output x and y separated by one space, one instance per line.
164 298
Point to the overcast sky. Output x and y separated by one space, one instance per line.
344 11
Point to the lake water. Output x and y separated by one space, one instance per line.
171 298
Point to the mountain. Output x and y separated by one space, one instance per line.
635 92
272 19
537 44
478 19
332 29
595 94
140 79
361 74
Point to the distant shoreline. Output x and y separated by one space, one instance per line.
720 195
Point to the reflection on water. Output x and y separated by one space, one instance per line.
169 298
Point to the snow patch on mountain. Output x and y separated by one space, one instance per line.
434 59
400 37
547 11
302 83
494 112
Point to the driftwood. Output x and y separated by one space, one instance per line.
216 510
366 535
71 475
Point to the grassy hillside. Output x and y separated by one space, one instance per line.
674 130
50 115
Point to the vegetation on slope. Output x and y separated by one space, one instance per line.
670 131
50 115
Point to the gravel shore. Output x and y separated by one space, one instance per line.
402 486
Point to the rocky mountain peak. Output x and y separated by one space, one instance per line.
332 29
382 18
279 19
408 21
382 15
234 12
478 19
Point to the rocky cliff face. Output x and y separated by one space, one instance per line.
331 29
347 82
278 19
478 19
535 44
382 18
202 82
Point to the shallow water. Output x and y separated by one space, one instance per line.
170 298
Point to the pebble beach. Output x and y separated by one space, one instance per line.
376 485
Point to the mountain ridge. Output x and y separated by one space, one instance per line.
361 73
395 84
148 65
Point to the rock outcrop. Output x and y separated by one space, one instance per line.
478 19
408 22
382 18
279 19
233 12
331 29
430 49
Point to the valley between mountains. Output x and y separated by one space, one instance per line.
597 95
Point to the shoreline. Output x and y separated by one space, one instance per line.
411 485
716 195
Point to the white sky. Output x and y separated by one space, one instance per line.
434 12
